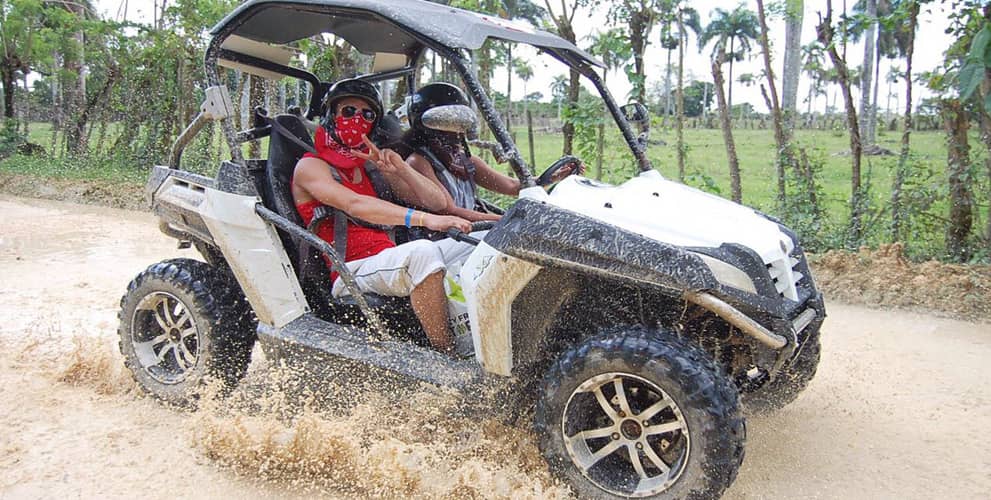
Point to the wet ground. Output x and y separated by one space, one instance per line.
900 408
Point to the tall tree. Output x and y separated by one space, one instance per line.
23 36
794 15
826 33
867 72
639 16
515 9
733 31
908 10
719 58
685 18
812 55
612 48
564 23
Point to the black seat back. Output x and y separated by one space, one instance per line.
283 154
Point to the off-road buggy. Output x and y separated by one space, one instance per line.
636 318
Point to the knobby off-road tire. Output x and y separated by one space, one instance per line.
790 382
182 323
597 397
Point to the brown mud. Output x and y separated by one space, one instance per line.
899 408
886 278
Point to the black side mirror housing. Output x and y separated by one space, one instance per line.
636 113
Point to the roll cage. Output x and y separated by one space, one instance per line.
406 27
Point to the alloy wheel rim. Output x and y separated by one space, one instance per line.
625 435
165 337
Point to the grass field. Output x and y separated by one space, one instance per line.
707 164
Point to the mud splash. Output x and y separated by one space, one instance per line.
386 443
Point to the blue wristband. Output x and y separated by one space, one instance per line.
409 215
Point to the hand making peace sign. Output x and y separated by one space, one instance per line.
386 159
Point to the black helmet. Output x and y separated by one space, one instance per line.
352 87
431 96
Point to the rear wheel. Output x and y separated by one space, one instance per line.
638 413
181 323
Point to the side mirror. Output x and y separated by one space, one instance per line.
636 113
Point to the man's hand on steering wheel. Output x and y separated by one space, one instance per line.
560 169
442 223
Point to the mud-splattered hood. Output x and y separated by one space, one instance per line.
673 213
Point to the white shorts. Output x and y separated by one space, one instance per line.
398 270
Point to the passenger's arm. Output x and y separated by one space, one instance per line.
408 184
422 165
313 177
493 180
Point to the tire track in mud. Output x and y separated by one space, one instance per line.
899 409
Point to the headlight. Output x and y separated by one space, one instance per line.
729 275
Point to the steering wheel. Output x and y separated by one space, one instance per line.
545 178
475 226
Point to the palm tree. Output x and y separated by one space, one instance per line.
728 29
733 32
812 55
792 65
613 49
516 9
684 16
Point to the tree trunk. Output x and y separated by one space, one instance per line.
792 70
825 33
867 72
872 117
986 138
781 135
729 90
734 162
638 43
680 101
7 75
529 136
901 168
956 124
667 90
509 86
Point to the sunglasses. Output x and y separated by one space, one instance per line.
349 111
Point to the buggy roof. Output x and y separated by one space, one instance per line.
396 26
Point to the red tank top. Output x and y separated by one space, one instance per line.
362 241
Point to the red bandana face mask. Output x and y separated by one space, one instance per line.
350 130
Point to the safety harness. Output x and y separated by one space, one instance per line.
322 213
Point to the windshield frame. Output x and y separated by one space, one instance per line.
462 65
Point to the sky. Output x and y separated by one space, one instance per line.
931 41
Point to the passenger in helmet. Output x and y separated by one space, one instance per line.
440 119
337 175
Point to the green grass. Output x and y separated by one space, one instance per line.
706 162
756 151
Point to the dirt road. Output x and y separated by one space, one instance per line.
901 407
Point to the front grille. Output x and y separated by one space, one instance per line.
786 276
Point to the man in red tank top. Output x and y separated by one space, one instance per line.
416 268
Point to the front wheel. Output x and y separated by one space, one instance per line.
182 322
639 413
